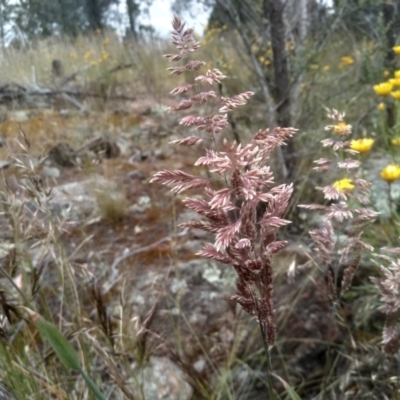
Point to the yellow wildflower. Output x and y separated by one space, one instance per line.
395 141
383 89
343 185
326 68
396 94
395 82
396 49
390 173
73 56
381 106
347 60
386 73
314 66
341 128
88 55
397 74
362 145
104 55
289 46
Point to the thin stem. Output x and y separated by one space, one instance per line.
390 199
396 394
328 362
10 279
271 395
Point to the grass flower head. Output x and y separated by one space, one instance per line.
243 239
340 209
389 290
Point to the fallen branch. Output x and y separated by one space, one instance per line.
16 95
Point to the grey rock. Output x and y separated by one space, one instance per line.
160 379
4 164
142 204
136 175
76 201
51 172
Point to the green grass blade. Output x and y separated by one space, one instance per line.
61 346
63 349
290 391
92 386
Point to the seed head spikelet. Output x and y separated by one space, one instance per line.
389 290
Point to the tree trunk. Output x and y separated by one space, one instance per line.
94 14
133 11
273 12
298 39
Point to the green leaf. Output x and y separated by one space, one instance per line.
64 350
290 391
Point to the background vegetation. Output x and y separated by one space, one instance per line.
77 70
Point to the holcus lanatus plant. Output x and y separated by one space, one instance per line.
339 239
243 238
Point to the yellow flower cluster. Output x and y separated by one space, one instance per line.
341 128
383 89
362 145
386 88
391 173
211 33
346 60
396 49
343 185
264 61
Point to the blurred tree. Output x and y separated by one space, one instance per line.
273 26
47 17
133 10
94 11
136 8
6 10
37 16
